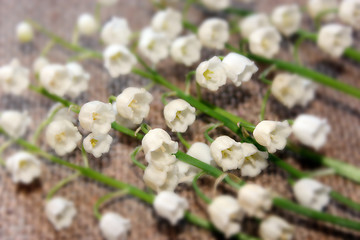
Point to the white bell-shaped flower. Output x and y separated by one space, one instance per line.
24 167
56 79
255 160
179 115
14 123
211 74
253 22
153 45
316 7
186 50
62 136
24 32
121 120
334 39
311 130
311 193
62 114
214 33
14 78
227 153
80 79
168 21
170 206
292 89
60 212
265 42
97 144
114 227
272 134
275 228
216 5
118 60
134 104
165 179
116 31
238 68
225 213
287 18
96 117
349 12
39 64
255 200
87 24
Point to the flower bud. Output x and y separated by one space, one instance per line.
24 32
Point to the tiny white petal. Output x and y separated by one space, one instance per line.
265 42
275 228
253 22
114 227
56 79
87 24
24 32
14 78
287 18
24 167
96 117
179 115
214 33
255 200
118 60
165 179
153 45
97 144
14 123
60 212
211 74
227 153
255 161
186 50
116 31
168 21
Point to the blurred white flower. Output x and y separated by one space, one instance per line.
179 115
168 21
316 7
334 39
14 123
60 212
255 200
238 68
24 167
118 60
287 18
39 64
186 50
79 79
265 42
56 79
62 136
14 78
292 89
272 134
311 130
214 33
216 5
97 144
161 179
121 120
170 206
107 2
134 104
116 31
24 32
227 153
211 74
114 227
275 228
153 45
62 114
255 160
349 12
96 117
311 193
87 24
225 213
253 22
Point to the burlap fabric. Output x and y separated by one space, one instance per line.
22 207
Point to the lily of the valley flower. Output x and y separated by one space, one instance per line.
170 206
272 134
255 160
334 39
216 5
165 179
238 68
114 227
179 115
62 114
62 136
39 64
253 22
87 24
24 167
349 12
116 31
211 74
255 200
316 7
287 18
186 50
121 120
60 212
227 153
311 130
275 228
292 89
96 117
265 42
97 144
214 33
134 104
153 45
118 60
56 79
168 21
24 32
225 213
79 79
14 78
14 123
311 193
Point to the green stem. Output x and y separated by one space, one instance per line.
134 160
238 11
3 147
97 13
197 189
112 99
166 95
188 81
183 141
106 198
61 184
298 42
47 48
75 36
263 105
322 14
84 156
345 201
212 127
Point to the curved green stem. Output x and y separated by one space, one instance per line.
298 42
49 45
183 141
197 189
212 127
322 14
188 81
134 160
263 104
3 147
84 156
61 184
166 95
106 198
